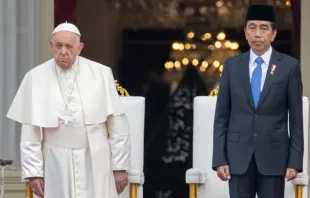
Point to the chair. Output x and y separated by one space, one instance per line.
135 108
203 181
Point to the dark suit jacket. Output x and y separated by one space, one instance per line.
241 130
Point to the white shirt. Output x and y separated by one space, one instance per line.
252 64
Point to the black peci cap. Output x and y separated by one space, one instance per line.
261 13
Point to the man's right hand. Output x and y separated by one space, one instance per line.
223 173
37 186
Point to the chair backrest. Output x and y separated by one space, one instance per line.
135 108
204 110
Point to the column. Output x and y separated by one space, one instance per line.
100 30
46 26
304 54
305 45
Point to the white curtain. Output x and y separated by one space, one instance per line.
19 36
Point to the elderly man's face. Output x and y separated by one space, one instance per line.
259 34
66 47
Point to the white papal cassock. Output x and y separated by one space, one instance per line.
77 152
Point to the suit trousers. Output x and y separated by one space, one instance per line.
253 183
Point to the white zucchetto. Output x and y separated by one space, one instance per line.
67 27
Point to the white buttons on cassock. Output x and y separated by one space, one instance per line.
80 174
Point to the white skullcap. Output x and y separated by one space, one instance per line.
67 27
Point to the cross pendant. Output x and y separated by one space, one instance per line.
67 116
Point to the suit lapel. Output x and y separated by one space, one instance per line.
245 77
275 58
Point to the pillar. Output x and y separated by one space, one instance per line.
304 53
46 26
101 32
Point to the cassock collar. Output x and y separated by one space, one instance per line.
73 68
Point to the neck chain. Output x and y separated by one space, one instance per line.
62 94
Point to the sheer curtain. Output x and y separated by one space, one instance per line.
19 35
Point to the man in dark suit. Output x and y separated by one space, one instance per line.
258 89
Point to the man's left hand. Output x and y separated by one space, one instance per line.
290 174
121 180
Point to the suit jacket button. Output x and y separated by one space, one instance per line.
255 134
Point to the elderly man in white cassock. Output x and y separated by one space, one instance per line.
74 139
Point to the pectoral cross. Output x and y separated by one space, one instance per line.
67 116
